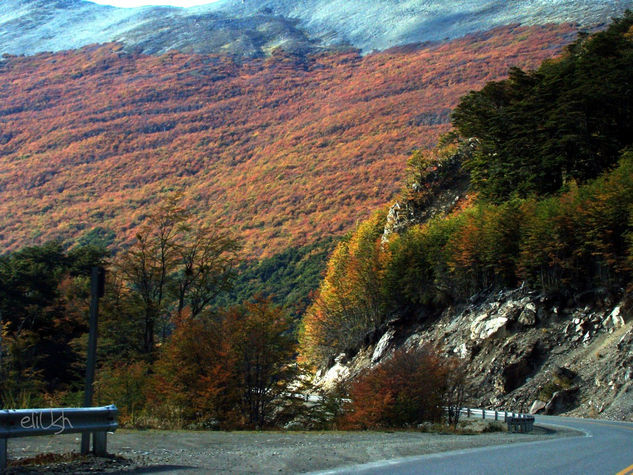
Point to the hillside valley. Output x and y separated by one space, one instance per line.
284 151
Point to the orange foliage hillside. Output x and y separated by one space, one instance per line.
282 150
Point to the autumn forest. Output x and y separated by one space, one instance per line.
284 150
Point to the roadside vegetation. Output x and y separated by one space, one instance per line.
168 356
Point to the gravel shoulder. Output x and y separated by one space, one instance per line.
155 451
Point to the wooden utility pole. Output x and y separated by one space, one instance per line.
97 289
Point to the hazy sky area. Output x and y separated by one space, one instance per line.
140 3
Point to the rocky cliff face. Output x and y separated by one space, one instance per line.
444 186
255 27
523 351
526 352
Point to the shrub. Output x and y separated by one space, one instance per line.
124 385
408 389
229 370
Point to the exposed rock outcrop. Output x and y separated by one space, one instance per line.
537 407
440 192
526 352
562 401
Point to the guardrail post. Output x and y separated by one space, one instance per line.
3 455
85 443
483 413
496 415
100 443
468 412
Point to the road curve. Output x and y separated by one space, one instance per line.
602 447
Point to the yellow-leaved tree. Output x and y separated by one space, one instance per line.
350 304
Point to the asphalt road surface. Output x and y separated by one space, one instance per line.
602 447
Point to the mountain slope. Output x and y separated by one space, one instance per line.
254 27
527 282
380 24
285 150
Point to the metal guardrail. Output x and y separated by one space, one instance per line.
97 421
516 422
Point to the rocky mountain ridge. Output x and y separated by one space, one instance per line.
254 28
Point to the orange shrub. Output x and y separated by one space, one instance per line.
409 388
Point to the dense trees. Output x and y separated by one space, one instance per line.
283 153
565 244
231 369
349 304
43 300
173 265
287 278
566 121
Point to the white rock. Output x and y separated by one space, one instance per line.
615 319
461 351
537 406
485 327
338 372
382 345
528 315
412 341
510 310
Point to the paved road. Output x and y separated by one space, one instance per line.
602 447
